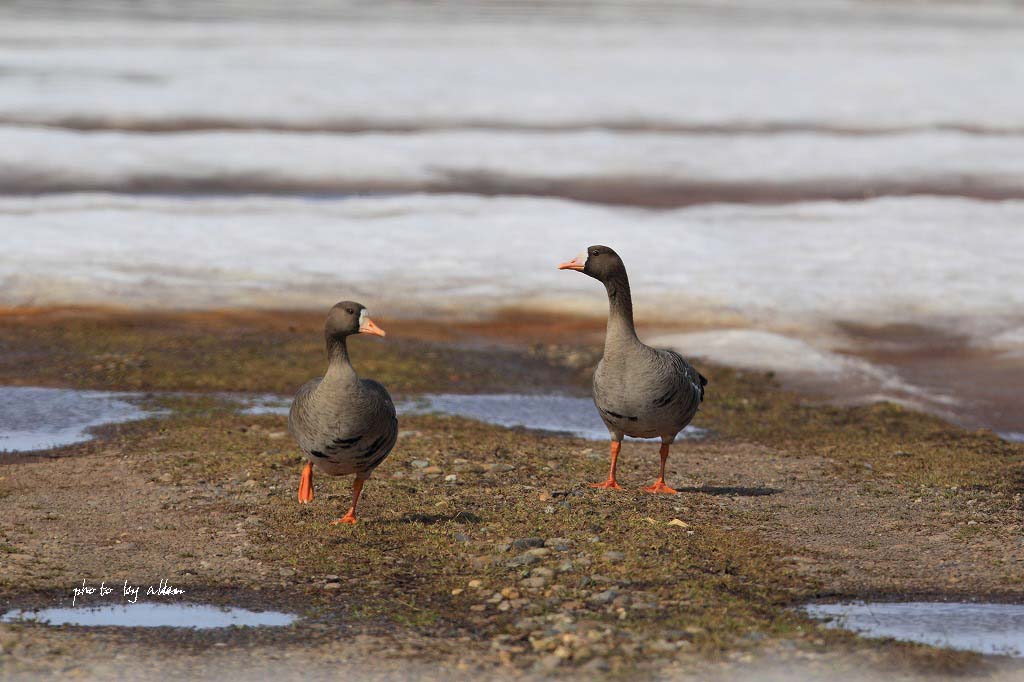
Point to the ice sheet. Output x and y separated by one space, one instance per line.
784 165
830 64
919 258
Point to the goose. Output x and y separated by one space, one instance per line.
639 391
344 424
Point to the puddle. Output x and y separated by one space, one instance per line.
1012 436
563 414
560 414
266 403
41 418
196 616
984 628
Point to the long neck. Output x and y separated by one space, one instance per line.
620 311
338 365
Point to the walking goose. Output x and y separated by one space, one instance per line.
345 424
639 391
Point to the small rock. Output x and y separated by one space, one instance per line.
457 591
408 433
499 467
613 556
558 544
534 583
433 470
450 478
475 584
276 435
332 586
527 543
419 463
606 597
549 662
524 559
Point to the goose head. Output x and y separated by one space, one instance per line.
599 262
348 318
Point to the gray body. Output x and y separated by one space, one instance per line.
643 392
639 391
344 424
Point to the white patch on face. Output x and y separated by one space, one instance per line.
362 317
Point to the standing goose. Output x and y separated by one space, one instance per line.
638 390
345 424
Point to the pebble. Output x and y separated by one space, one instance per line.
475 584
527 543
450 478
332 586
606 597
499 467
433 470
558 544
524 559
596 665
613 556
534 583
420 463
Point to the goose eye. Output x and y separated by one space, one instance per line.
350 311
595 253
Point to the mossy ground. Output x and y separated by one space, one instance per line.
628 584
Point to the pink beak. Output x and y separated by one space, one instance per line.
577 264
369 327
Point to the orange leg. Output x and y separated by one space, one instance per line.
306 484
659 485
350 517
611 484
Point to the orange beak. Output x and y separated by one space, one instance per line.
369 327
577 264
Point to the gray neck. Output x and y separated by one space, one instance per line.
338 365
620 312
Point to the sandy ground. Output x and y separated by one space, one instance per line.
514 568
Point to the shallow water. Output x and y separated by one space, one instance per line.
40 418
197 616
985 628
562 414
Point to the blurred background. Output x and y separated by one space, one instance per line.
830 190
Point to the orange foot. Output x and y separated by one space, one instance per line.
347 518
610 484
660 487
306 484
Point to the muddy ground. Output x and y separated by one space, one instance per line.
481 552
